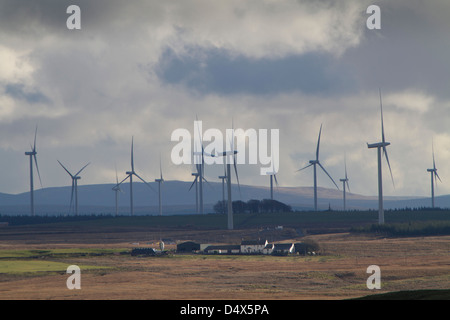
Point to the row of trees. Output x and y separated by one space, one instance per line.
253 206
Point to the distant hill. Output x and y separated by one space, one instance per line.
177 199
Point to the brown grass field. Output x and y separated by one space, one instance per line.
339 272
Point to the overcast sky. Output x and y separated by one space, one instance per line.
147 68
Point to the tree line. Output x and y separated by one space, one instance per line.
252 206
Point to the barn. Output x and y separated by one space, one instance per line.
268 248
223 249
188 246
283 248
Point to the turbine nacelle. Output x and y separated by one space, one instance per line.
378 145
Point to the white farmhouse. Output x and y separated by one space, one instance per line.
253 246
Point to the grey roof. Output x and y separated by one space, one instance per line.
253 242
282 246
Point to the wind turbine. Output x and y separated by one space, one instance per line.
314 163
195 174
273 175
198 176
381 145
130 175
230 157
160 180
345 182
32 154
434 177
116 190
75 178
199 157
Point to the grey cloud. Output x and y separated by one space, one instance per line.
218 71
18 91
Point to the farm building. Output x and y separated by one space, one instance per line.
253 246
268 248
306 248
283 248
223 249
188 246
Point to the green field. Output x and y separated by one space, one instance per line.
36 266
56 253
35 261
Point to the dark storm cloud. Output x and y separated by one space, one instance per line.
217 71
409 51
18 91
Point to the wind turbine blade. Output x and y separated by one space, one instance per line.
382 124
123 180
345 166
160 169
193 182
348 187
276 181
35 134
237 179
318 143
132 160
82 169
65 168
437 176
389 165
327 174
207 182
148 185
432 150
232 134
309 165
117 178
37 169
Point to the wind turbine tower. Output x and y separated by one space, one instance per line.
344 183
195 174
116 190
314 163
273 175
32 155
434 177
230 158
223 190
75 179
381 145
160 180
